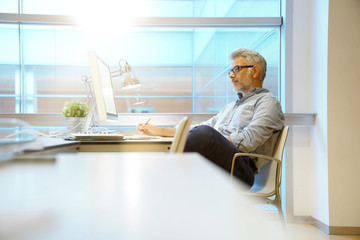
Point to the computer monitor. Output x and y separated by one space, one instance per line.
102 88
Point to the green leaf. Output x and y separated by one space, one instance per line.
75 109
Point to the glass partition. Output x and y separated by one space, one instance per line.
212 85
9 69
181 69
9 6
187 65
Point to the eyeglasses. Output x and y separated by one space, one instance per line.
237 68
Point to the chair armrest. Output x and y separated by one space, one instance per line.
251 155
257 155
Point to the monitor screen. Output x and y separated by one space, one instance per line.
103 88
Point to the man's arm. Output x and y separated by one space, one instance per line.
211 121
152 130
267 118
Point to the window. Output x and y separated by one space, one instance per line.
9 69
181 60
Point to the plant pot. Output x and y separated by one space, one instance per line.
75 124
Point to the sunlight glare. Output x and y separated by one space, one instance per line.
108 17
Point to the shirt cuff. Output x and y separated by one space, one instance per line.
236 139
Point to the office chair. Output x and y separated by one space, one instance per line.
267 181
178 144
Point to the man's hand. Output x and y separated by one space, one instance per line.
148 129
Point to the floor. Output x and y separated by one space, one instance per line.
300 231
309 232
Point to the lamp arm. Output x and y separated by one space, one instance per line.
121 72
117 71
89 93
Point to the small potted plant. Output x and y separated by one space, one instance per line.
75 113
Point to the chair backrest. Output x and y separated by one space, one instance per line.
180 136
268 180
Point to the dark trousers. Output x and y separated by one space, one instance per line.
219 150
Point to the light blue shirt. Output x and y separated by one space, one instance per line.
251 122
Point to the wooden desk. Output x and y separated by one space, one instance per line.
126 196
53 146
146 145
50 147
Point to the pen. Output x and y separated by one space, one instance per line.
146 122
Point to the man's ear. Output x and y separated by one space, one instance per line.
256 71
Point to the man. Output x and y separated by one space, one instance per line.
250 124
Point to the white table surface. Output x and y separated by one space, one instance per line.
126 196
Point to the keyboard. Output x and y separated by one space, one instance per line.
96 135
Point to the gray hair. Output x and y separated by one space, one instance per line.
253 58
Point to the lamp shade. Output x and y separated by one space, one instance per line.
128 79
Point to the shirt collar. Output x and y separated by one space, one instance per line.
251 93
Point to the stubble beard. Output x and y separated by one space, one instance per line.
241 86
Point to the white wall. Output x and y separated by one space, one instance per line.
326 81
301 103
318 89
344 112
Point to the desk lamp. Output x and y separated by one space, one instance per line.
128 78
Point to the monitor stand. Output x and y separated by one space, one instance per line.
92 122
